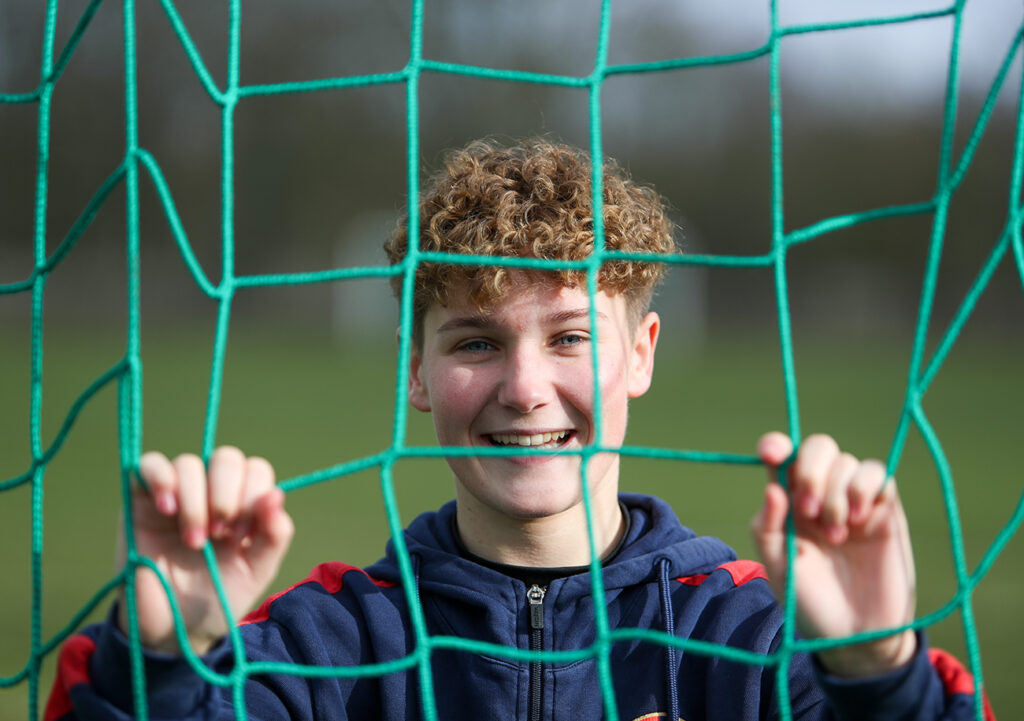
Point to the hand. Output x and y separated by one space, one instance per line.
237 507
854 567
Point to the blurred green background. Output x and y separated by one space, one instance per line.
306 403
320 178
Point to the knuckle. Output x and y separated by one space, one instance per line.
858 493
228 454
153 469
821 441
260 466
873 472
150 460
776 437
220 508
193 514
834 507
188 461
800 479
848 460
874 466
809 474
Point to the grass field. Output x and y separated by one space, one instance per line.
306 403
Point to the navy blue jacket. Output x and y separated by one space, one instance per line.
664 578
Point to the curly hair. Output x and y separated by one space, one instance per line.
530 200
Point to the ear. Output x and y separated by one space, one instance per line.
418 396
641 363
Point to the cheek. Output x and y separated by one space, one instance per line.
612 375
579 376
458 393
614 397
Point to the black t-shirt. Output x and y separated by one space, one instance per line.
531 575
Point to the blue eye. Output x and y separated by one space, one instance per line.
475 346
570 339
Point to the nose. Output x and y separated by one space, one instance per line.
525 383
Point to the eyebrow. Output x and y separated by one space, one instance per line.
480 320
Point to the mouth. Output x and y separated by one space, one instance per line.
547 439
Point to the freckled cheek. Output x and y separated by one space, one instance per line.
580 379
458 396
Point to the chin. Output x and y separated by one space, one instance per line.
539 503
528 492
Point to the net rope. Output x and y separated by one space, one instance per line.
127 372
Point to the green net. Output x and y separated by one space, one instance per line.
127 372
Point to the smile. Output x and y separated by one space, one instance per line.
555 438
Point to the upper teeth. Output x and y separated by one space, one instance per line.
537 439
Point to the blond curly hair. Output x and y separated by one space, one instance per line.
530 200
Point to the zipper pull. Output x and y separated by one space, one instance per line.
536 598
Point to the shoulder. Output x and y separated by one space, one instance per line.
339 614
732 588
731 574
323 587
732 603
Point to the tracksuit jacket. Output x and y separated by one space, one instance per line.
663 578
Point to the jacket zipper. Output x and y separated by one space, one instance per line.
535 596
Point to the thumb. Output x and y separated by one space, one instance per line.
773 449
271 535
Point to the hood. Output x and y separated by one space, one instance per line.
463 599
654 534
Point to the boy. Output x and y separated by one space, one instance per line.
502 358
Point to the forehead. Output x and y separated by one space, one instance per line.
524 303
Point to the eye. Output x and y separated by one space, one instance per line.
570 339
475 346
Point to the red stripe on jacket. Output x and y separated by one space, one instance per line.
329 575
72 669
741 571
955 678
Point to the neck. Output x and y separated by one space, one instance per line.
554 541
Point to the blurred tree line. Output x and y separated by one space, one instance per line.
320 178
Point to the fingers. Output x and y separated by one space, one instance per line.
768 529
160 477
835 510
259 482
271 528
832 492
774 448
219 504
272 533
866 491
228 471
192 516
809 474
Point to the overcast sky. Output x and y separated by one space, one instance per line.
911 58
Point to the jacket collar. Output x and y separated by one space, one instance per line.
654 534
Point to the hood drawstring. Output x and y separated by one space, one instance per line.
671 670
415 558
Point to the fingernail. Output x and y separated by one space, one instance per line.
835 533
166 503
808 504
195 538
218 529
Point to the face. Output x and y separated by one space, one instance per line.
520 374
